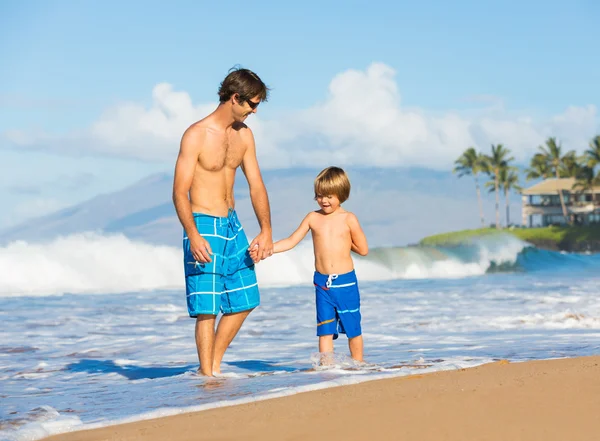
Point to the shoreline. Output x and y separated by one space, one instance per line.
554 399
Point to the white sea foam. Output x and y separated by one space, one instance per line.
94 263
87 263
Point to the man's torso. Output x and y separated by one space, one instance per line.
219 156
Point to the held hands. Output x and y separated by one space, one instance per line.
200 249
261 247
254 253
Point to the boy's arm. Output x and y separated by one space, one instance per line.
359 240
289 243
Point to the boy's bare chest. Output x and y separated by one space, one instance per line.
331 228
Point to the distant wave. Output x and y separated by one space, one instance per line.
93 263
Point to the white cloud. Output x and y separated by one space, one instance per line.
126 130
360 122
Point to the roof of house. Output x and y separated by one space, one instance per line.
552 186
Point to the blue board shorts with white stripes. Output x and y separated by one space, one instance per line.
338 304
228 283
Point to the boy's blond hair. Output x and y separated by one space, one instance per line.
333 181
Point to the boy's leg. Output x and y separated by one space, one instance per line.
205 342
326 343
326 349
228 327
356 348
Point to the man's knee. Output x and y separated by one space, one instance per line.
203 320
239 313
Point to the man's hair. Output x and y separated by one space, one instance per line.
243 82
333 181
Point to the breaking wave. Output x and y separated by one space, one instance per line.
94 263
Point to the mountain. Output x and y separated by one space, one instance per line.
394 206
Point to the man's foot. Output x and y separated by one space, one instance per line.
216 369
204 374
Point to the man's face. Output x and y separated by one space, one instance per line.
246 107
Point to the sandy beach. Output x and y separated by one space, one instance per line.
537 400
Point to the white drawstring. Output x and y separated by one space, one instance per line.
330 279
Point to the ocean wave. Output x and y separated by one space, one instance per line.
95 263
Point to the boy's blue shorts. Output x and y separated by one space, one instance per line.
338 304
228 283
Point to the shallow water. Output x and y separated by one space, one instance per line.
93 358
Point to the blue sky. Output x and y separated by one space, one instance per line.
93 96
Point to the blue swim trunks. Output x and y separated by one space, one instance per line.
338 304
228 283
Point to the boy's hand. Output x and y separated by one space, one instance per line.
263 244
254 253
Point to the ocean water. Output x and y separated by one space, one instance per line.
94 329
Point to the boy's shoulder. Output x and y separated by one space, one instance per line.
312 216
314 213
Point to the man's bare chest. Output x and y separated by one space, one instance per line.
214 156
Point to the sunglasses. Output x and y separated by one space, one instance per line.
252 104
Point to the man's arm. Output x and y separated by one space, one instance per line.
359 240
259 197
184 175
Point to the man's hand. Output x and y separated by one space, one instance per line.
261 247
200 248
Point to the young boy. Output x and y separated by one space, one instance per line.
335 233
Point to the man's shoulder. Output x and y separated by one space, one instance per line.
197 129
239 126
241 129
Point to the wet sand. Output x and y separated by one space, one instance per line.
537 400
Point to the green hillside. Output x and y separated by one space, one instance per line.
563 238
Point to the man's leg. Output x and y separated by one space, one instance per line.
228 327
205 342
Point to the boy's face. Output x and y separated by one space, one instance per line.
328 203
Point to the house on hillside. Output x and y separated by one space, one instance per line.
541 203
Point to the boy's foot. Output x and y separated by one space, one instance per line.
326 359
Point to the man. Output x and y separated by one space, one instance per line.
219 271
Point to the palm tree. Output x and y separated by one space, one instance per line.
495 163
592 157
509 180
553 156
570 166
471 163
538 168
585 180
593 154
